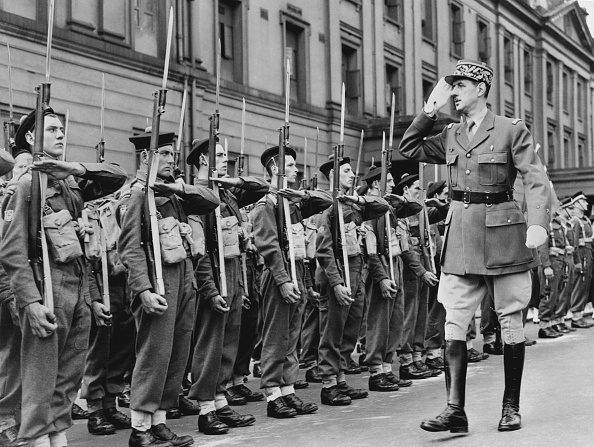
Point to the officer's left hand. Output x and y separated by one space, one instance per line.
59 169
430 279
535 236
228 182
168 188
101 314
293 195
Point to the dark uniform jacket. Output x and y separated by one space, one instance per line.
481 239
131 208
100 179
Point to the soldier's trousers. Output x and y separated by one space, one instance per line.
280 332
248 333
10 365
564 301
384 320
341 323
435 334
548 304
217 339
310 334
490 327
52 367
416 296
163 342
580 292
111 348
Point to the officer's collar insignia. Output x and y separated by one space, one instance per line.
477 71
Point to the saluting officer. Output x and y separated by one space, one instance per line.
281 298
488 248
164 323
54 343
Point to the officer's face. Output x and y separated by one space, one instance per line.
465 94
412 192
347 176
21 163
53 137
291 169
166 162
221 160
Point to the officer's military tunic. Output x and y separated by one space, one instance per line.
51 368
484 242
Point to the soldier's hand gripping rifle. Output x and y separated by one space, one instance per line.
283 218
339 238
213 220
10 125
151 226
427 246
38 249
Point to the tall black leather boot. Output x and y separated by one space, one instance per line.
453 418
513 365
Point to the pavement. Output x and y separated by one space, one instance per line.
557 408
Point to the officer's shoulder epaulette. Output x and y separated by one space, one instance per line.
516 121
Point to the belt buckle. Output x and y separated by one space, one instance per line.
488 199
466 197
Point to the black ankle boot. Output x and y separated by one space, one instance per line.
453 418
513 364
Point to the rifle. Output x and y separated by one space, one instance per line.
65 139
357 172
305 179
151 227
10 125
101 144
213 220
314 180
283 219
37 242
180 130
339 233
427 246
241 158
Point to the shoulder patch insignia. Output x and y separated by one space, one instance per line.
450 125
8 215
516 121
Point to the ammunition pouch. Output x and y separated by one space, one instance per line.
93 242
311 233
172 246
61 236
370 241
352 239
395 242
195 237
230 232
298 240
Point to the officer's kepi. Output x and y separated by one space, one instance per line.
474 70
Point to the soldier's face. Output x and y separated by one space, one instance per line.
21 163
291 169
389 183
412 192
445 195
221 160
465 94
347 176
166 162
53 136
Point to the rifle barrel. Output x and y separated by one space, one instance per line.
168 48
50 32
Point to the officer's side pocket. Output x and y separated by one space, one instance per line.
505 237
492 168
452 161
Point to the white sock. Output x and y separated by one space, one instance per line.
159 417
387 367
220 401
273 393
329 382
206 406
341 377
58 439
434 353
42 441
417 356
468 345
287 389
238 380
141 420
375 370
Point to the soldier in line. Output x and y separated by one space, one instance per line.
164 323
281 298
54 342
488 247
219 318
344 310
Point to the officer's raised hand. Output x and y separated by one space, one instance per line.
430 279
101 314
59 169
290 292
535 236
219 304
153 303
439 97
388 289
228 182
41 319
343 295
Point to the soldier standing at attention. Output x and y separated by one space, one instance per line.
219 318
164 323
54 343
345 301
281 298
488 246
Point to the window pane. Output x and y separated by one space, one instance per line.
24 8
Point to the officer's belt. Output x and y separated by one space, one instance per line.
490 198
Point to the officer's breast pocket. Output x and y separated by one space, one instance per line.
505 237
452 164
492 168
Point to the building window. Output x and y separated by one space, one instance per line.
393 85
508 61
393 10
295 51
351 76
230 36
581 152
566 92
550 83
567 150
427 86
580 100
23 8
144 19
428 20
457 31
528 67
484 41
551 141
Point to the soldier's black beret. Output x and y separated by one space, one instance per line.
27 124
143 140
327 167
435 188
374 173
406 180
272 152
